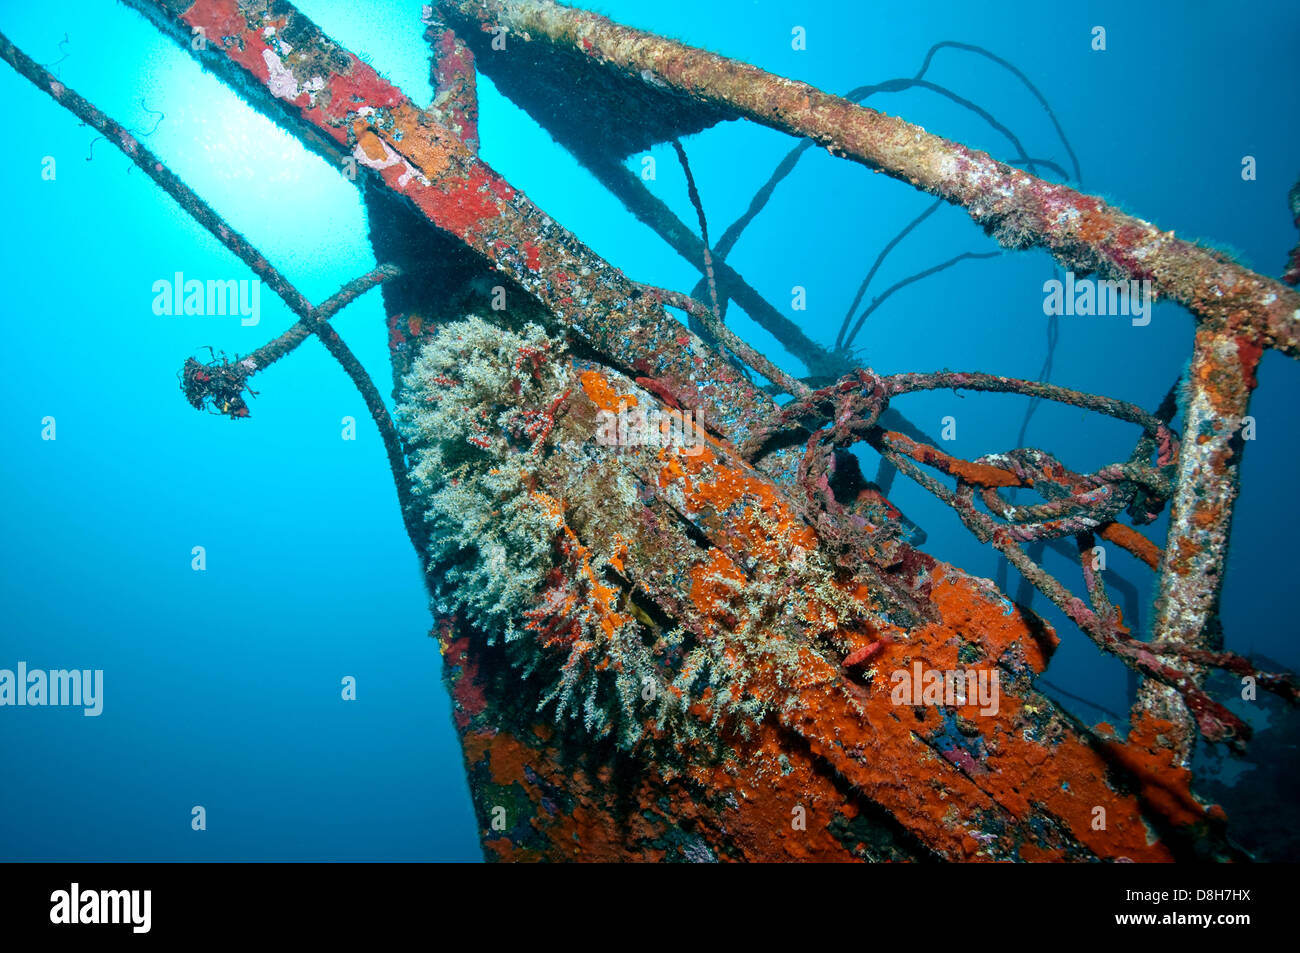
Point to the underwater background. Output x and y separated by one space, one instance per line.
222 687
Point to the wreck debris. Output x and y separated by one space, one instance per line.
649 208
1219 384
718 572
218 386
585 605
1083 233
341 106
455 83
1021 211
849 411
720 333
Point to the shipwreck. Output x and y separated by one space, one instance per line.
682 649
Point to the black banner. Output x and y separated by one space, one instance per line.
138 902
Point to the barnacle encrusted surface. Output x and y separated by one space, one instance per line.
603 572
477 410
489 539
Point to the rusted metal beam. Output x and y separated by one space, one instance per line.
1219 384
455 83
1020 210
281 61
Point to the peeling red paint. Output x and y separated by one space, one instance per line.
224 26
1249 352
455 85
532 257
359 86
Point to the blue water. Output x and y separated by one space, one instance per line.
222 687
